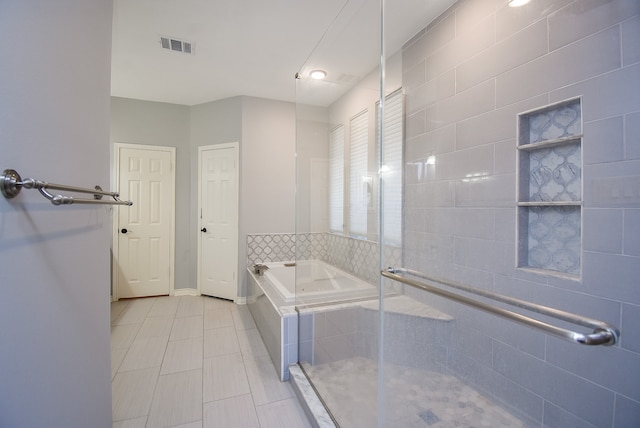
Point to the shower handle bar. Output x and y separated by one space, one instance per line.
523 304
603 333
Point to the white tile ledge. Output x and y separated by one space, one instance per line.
313 407
407 306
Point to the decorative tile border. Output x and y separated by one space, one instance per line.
355 256
311 246
272 247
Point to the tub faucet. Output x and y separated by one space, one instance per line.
259 269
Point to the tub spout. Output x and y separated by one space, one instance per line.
259 269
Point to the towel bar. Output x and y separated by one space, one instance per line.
11 183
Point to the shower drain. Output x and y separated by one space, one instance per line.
429 417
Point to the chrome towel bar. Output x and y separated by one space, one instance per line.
11 184
603 333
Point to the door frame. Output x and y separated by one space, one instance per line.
236 147
115 277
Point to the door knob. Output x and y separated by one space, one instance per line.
204 229
124 230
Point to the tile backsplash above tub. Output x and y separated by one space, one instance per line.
356 256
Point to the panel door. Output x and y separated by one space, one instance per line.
145 177
218 255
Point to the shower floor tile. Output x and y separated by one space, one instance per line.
350 389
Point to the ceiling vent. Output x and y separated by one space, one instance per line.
177 45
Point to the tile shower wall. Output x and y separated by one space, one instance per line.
467 77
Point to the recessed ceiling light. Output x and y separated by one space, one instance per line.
318 74
517 3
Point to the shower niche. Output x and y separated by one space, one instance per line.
549 195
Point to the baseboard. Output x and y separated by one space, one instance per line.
240 300
186 292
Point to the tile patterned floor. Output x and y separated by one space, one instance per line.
194 362
349 388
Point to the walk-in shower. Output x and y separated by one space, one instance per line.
479 164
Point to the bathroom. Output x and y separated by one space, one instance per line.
459 194
478 85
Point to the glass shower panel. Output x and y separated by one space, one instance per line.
470 78
336 271
473 105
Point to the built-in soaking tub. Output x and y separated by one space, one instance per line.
310 281
272 298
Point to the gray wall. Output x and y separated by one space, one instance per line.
216 122
162 124
267 195
54 115
466 79
265 130
312 146
268 165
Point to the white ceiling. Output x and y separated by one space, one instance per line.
251 47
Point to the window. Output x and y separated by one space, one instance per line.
360 181
336 179
391 168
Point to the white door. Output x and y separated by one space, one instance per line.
144 252
218 208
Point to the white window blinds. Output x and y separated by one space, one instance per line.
336 179
359 180
391 168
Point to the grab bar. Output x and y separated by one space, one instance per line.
11 184
603 333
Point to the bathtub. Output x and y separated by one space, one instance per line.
315 281
272 302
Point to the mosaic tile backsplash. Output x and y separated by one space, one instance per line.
270 248
355 256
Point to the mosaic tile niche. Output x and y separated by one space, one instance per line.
550 188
